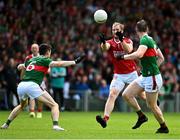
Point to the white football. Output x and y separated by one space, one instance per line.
100 16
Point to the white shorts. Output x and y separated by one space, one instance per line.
29 89
43 84
150 83
120 80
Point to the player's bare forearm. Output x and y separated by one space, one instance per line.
160 59
105 46
22 74
128 47
61 63
131 56
137 54
67 63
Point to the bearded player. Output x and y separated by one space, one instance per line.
124 70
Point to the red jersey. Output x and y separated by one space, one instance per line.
28 57
120 66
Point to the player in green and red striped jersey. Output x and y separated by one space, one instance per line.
32 103
150 81
29 87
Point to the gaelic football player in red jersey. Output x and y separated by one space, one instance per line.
150 81
29 87
124 70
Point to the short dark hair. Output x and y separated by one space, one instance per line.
142 26
43 48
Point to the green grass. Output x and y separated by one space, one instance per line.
82 125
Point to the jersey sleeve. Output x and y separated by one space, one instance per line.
47 61
28 57
143 41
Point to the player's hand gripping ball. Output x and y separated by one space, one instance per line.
100 16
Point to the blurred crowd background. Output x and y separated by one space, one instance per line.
69 27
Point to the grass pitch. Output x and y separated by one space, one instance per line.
82 125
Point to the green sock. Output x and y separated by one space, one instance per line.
8 122
55 122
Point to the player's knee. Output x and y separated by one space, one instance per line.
113 95
126 96
142 96
55 105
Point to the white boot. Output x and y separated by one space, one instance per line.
39 115
4 126
32 114
57 128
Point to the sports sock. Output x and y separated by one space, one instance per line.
163 125
31 110
140 113
8 122
106 118
39 110
55 122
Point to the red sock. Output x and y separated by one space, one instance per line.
106 118
31 110
39 110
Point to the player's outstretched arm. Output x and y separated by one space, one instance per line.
135 55
62 63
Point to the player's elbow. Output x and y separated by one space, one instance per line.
140 56
50 65
20 67
160 61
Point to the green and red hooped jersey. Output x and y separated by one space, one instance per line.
149 60
36 68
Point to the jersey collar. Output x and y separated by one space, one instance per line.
116 41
